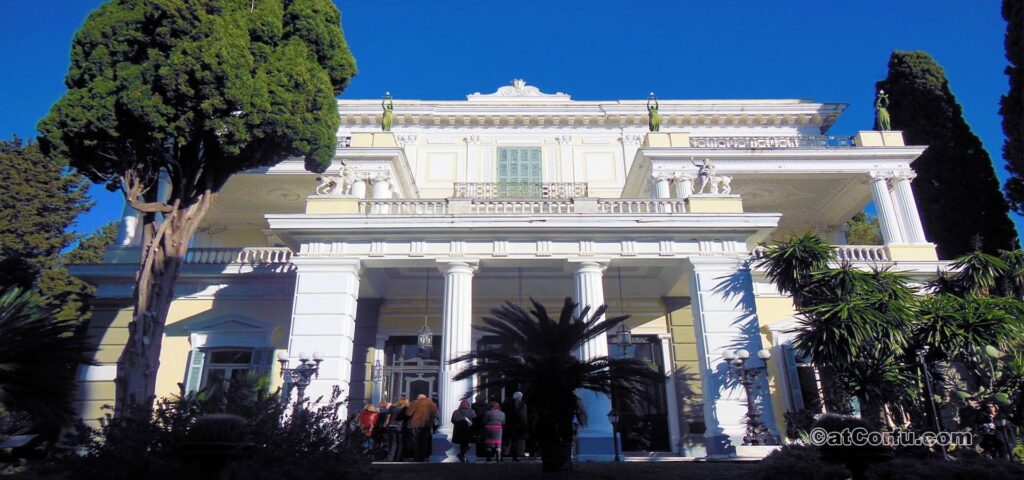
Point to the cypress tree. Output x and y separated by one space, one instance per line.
1011 106
956 187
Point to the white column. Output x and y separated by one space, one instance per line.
358 188
381 188
457 337
906 206
671 393
378 356
724 318
887 218
595 440
323 319
661 189
684 185
128 234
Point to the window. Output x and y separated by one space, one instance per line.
213 368
519 172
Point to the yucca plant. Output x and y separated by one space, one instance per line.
790 264
542 360
39 356
979 273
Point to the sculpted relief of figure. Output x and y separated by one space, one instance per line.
336 185
707 178
705 171
653 117
386 117
882 111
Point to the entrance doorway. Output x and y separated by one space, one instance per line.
643 427
409 370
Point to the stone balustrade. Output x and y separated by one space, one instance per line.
549 206
849 253
247 255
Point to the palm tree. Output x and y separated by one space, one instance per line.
542 361
38 358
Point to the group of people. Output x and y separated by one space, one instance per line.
404 430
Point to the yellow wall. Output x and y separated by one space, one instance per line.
685 363
770 310
109 325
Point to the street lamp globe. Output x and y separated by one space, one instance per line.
764 354
728 355
742 354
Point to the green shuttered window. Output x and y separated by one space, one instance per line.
519 171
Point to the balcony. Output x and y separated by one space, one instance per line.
520 190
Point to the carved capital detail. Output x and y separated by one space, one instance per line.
472 139
563 139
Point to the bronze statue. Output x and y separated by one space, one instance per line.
882 111
653 117
389 108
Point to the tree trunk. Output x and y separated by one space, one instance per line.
162 255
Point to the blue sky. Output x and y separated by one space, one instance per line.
826 51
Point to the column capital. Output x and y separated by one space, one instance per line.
683 176
305 263
472 139
659 176
458 265
905 175
584 264
631 139
717 263
881 174
563 139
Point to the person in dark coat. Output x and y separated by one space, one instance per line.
480 408
423 415
463 420
398 429
516 427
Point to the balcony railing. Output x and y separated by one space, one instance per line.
520 190
850 253
248 255
552 206
767 143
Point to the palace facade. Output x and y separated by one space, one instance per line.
515 195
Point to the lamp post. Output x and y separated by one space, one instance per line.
613 418
757 432
921 353
301 375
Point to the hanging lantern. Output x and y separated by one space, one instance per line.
378 372
425 337
625 337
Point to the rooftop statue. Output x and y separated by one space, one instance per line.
882 111
653 117
389 107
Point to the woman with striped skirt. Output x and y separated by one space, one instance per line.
494 420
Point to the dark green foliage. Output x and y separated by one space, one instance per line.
90 249
157 444
1011 105
192 91
39 356
790 263
38 203
954 168
541 360
805 463
864 230
797 462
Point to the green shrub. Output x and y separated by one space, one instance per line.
792 462
311 444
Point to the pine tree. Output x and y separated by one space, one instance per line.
956 187
193 91
39 200
864 230
1011 106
